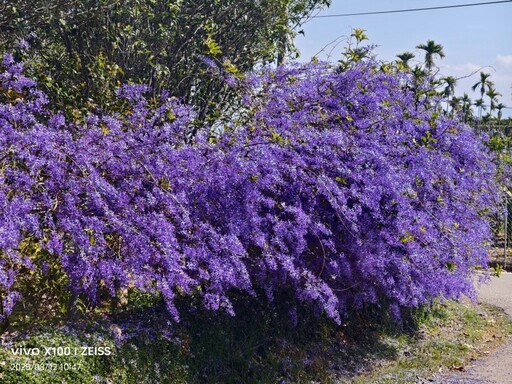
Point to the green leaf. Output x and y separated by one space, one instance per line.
213 47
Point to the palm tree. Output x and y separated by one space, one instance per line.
466 99
466 107
431 49
405 57
483 83
493 97
455 103
449 90
418 75
481 106
499 107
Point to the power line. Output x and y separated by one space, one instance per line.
412 9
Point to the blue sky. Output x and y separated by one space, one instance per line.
472 37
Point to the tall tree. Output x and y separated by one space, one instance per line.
449 89
405 58
484 84
466 107
84 48
481 106
455 104
499 107
492 94
431 49
450 83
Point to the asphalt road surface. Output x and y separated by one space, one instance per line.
496 368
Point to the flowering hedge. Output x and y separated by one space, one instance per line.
344 188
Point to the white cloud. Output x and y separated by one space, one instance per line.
504 59
466 68
468 75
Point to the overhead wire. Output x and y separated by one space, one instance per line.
317 16
411 9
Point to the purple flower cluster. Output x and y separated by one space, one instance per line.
344 188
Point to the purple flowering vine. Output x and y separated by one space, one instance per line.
343 188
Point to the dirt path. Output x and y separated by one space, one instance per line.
497 366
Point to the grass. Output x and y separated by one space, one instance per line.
455 335
259 345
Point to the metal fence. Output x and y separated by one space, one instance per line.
502 234
502 221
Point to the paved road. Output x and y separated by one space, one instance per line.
497 367
498 292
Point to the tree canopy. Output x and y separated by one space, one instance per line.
84 49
